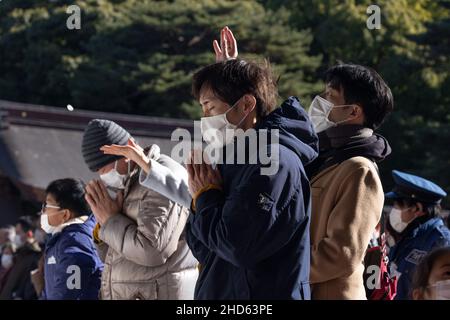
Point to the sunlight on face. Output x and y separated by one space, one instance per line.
55 216
211 105
336 97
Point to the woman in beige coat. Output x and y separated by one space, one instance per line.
140 235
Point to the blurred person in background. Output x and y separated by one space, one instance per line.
7 261
40 235
72 268
7 234
431 279
18 285
37 277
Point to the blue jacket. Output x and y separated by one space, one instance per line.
252 238
407 253
72 267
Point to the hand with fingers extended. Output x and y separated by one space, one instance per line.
201 174
227 50
101 203
131 151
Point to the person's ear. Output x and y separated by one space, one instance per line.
67 215
419 209
249 103
357 111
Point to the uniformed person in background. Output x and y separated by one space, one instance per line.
415 224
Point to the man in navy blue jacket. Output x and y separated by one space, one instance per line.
249 228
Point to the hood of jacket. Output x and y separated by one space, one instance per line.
296 131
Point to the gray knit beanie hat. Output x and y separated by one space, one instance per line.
100 132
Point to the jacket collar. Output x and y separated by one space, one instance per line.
345 134
68 226
342 143
415 232
424 228
77 220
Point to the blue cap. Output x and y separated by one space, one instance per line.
409 186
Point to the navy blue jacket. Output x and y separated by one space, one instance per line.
252 238
72 267
407 253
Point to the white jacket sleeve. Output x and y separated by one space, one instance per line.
167 177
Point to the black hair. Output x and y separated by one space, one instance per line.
363 86
423 270
230 80
431 209
26 223
69 194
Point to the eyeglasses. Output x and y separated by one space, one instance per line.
46 205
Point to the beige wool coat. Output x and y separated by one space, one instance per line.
347 201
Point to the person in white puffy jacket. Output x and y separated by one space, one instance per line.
140 235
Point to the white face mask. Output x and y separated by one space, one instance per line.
114 179
45 225
395 219
7 261
318 112
18 241
217 130
442 289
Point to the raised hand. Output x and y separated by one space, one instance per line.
131 151
227 50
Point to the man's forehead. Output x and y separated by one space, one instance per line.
207 95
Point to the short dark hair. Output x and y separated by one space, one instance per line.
363 86
26 223
69 194
423 270
230 80
431 209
